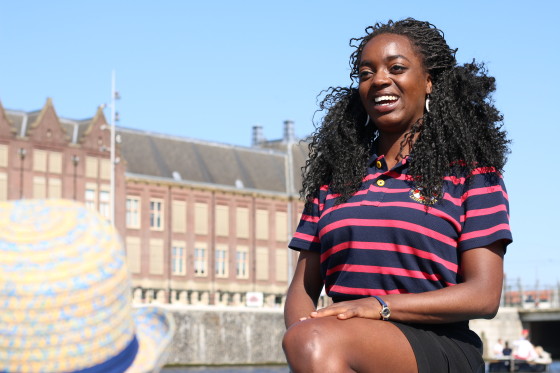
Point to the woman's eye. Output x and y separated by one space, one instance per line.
398 68
363 75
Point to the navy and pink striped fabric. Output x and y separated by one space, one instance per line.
383 241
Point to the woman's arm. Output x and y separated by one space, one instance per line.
477 297
305 288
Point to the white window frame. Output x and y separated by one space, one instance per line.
133 212
178 258
242 262
90 199
221 261
156 214
200 260
105 203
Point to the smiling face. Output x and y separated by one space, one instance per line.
393 82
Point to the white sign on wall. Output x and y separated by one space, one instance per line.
254 299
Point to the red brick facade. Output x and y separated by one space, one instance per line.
44 156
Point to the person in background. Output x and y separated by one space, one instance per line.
523 349
66 296
498 348
507 350
406 219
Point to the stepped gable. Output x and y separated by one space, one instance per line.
45 127
95 133
197 161
16 119
7 130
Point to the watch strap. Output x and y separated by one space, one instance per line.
385 312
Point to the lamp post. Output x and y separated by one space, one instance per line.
21 152
75 161
114 96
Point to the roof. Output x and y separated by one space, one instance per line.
203 162
159 156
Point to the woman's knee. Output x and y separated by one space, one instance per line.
301 339
309 345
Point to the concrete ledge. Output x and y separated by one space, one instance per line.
226 335
213 335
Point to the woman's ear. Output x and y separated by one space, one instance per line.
429 84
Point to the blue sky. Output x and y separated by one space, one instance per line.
213 69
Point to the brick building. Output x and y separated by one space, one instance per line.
202 222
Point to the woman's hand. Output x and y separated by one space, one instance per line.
367 308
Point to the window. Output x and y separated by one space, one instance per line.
262 224
39 187
133 254
3 186
55 188
281 264
55 162
91 167
105 165
3 155
156 256
39 161
242 262
221 261
178 256
200 260
90 197
156 214
179 218
262 263
242 222
105 203
41 190
132 212
281 224
200 218
222 220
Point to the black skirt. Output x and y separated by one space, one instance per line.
440 348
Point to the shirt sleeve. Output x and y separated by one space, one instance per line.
486 212
306 236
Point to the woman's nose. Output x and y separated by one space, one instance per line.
381 78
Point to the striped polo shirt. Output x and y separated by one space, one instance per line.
383 240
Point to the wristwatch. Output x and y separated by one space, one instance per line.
385 310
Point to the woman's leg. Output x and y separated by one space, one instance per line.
328 345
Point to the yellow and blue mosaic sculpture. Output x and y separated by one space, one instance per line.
65 295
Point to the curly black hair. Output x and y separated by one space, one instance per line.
462 131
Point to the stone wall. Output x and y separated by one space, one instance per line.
227 335
506 325
208 335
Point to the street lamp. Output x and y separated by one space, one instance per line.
75 161
21 152
114 117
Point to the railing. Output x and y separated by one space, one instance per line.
516 294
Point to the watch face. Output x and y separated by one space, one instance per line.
385 312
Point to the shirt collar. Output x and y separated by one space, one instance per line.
402 163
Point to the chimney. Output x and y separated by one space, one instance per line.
289 135
258 136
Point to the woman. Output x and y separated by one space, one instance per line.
406 220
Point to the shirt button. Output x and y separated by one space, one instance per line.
380 182
378 164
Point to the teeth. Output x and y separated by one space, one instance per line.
385 98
